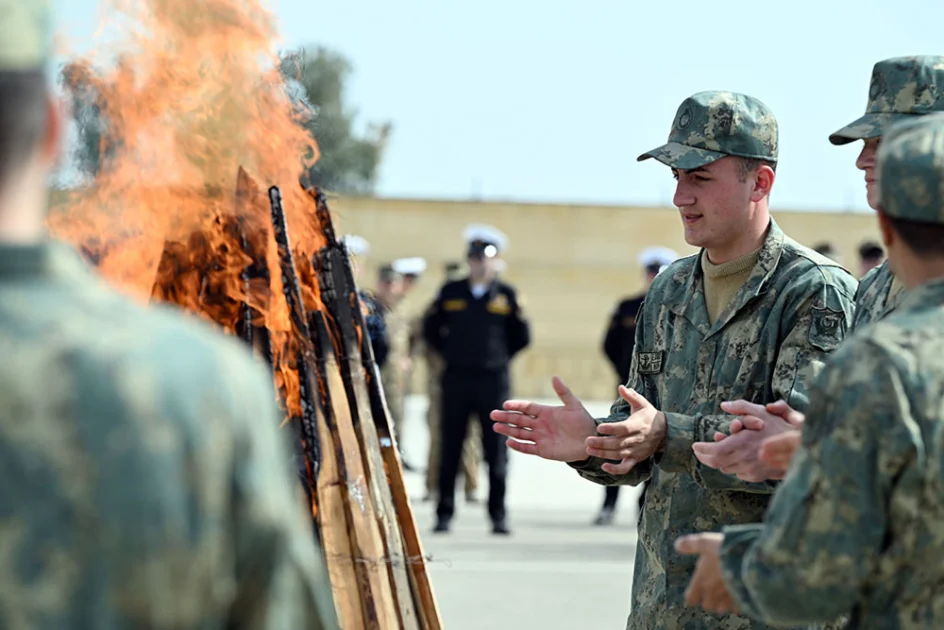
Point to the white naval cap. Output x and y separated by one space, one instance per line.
660 257
357 245
478 232
410 266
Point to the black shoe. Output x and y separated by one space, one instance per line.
605 517
500 527
442 526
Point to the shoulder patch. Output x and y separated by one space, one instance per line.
827 328
650 362
499 305
454 305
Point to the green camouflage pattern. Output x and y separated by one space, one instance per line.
900 88
875 297
767 344
145 481
26 32
711 125
910 170
856 525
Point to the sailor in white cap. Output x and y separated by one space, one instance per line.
411 269
618 346
477 326
357 247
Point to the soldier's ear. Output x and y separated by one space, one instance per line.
764 178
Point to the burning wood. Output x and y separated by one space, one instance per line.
336 408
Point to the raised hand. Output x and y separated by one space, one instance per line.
553 432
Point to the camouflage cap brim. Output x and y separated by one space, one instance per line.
868 126
681 156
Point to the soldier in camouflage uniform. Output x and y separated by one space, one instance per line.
145 483
901 88
753 315
856 526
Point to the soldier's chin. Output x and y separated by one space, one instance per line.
871 195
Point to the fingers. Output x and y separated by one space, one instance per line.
751 423
618 429
692 544
563 392
613 443
778 451
513 417
742 407
523 406
736 426
513 432
528 448
621 468
636 400
785 411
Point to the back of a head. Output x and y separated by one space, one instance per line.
911 182
25 53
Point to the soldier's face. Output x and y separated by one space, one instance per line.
714 204
866 163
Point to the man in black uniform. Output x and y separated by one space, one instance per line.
477 326
618 346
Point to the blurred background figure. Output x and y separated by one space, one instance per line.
829 251
871 255
618 344
358 248
411 269
471 449
477 326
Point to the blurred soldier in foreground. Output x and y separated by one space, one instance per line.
471 448
477 325
901 89
145 482
618 346
856 525
753 315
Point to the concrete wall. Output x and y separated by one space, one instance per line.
571 263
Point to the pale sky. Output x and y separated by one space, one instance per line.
551 101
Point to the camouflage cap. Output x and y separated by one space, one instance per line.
711 125
25 34
901 87
911 170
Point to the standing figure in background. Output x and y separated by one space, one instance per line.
618 345
476 324
471 449
410 270
829 251
871 255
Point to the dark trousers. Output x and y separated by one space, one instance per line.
465 393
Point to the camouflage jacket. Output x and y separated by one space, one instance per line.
145 482
793 310
873 298
856 526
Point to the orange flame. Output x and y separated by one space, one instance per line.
195 95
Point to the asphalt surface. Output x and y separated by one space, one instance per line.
556 569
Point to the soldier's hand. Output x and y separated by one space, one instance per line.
631 441
552 432
706 588
739 454
777 452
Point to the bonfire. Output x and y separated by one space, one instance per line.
200 205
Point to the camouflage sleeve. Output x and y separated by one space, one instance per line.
590 468
826 525
817 328
281 579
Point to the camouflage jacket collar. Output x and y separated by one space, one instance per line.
927 295
688 299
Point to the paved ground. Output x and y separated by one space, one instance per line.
556 570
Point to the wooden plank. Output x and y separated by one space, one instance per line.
335 538
413 546
368 543
388 514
